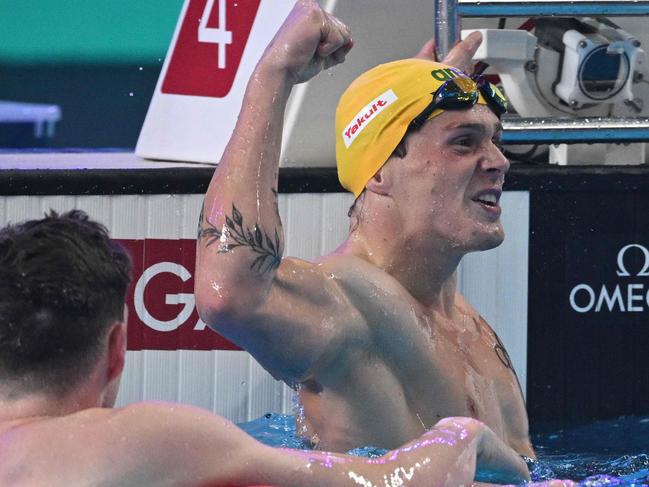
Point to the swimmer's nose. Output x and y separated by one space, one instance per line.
494 161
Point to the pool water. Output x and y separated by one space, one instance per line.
604 453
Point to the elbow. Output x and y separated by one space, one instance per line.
214 307
222 306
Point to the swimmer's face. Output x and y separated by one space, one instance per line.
448 185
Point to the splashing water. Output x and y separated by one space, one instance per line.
605 453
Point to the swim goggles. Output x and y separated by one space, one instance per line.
463 92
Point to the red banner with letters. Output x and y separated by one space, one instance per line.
160 300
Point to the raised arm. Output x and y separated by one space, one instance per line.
280 310
240 236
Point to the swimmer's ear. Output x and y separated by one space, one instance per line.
380 183
116 350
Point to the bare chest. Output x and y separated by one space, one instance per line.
404 385
468 372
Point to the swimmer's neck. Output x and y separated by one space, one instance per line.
429 278
18 407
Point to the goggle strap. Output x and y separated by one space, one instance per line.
420 119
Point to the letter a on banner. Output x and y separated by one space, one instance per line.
197 99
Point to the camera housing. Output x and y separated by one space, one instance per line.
598 60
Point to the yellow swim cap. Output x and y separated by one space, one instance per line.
374 112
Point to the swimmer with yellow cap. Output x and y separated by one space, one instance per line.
374 337
378 108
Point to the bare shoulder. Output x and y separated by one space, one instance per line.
143 444
133 427
465 308
349 285
341 267
385 306
173 424
361 278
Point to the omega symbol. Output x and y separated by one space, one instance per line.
622 270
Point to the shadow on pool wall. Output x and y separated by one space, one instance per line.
103 105
588 330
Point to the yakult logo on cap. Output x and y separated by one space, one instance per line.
366 114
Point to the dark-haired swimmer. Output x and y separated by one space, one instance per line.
62 348
375 336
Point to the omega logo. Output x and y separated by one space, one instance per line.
632 297
186 299
621 269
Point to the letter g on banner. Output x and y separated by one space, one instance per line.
180 298
622 270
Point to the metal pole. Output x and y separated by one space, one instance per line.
565 8
574 130
447 26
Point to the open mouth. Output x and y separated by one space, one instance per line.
488 199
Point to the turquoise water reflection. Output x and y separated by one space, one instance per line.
604 453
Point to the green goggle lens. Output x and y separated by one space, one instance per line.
463 92
494 97
456 94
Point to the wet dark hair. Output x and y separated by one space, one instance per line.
400 150
63 283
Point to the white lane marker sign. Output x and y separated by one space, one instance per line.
215 48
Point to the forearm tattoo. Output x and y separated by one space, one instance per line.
235 234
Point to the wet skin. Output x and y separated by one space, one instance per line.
374 336
421 367
421 351
158 444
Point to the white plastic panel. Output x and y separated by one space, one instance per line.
231 383
495 282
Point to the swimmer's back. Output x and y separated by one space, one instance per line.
149 444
